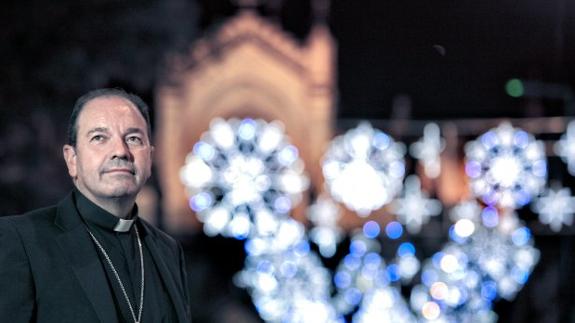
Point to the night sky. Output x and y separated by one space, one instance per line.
451 57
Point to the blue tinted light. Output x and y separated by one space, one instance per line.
539 168
473 169
247 129
351 262
436 258
282 204
521 236
393 272
394 230
201 201
406 249
521 138
489 139
489 290
204 150
302 248
342 279
520 276
372 259
381 141
490 217
264 266
352 296
371 229
357 248
428 277
522 197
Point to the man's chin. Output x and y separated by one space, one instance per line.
123 191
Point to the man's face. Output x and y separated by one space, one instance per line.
113 156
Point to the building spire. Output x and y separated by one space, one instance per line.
246 4
320 10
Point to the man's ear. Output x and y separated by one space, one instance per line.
69 153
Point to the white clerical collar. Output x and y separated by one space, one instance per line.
96 215
124 225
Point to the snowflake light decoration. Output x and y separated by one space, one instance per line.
505 254
468 209
555 207
324 214
469 273
428 149
289 285
414 208
465 216
364 168
452 290
289 233
242 176
406 263
507 166
384 305
362 270
565 147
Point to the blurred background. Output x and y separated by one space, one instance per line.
466 66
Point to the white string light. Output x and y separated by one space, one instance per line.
428 150
556 207
326 233
364 168
414 208
242 177
565 147
507 166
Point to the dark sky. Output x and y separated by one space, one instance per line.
451 57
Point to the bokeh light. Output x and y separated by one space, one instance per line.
242 177
364 168
507 166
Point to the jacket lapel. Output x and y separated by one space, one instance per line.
80 251
166 275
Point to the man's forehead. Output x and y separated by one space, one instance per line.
102 106
103 112
110 101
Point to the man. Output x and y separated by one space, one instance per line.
90 258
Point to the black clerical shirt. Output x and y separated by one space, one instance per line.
122 248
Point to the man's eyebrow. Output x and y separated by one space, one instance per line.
134 130
97 129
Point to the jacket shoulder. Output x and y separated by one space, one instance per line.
31 225
31 216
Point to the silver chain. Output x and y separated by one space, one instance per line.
136 319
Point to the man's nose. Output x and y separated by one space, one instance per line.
121 149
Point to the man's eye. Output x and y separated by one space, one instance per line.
97 138
134 139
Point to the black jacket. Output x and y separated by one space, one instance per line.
50 270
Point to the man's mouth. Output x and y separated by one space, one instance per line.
120 170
